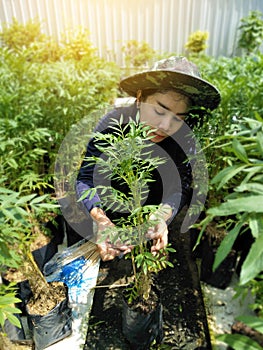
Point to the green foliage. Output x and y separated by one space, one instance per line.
17 219
17 35
239 80
240 210
76 45
17 222
7 309
231 137
239 342
251 32
127 158
242 182
197 42
138 54
22 157
45 88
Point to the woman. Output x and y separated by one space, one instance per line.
164 97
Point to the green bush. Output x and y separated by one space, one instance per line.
18 217
197 42
235 163
251 32
42 93
18 35
240 82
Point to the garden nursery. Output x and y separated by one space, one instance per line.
56 293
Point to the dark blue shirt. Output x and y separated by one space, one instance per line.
172 180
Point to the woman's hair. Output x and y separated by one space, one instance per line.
144 94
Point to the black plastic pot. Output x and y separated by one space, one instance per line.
13 332
52 327
141 329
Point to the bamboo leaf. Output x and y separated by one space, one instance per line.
256 224
254 187
253 264
252 321
38 199
25 199
239 150
226 174
226 246
247 204
239 342
260 142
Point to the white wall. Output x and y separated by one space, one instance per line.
164 24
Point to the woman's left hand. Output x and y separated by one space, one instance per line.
159 232
159 235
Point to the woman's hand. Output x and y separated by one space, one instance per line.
159 233
107 250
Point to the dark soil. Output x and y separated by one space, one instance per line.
185 323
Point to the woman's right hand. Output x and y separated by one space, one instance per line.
107 250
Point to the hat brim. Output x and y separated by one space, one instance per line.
201 92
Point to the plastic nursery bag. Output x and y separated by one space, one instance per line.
51 328
77 267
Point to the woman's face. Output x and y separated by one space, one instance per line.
164 113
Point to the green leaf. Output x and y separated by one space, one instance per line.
9 215
256 224
38 199
260 142
239 151
247 204
226 245
14 320
226 174
239 342
2 319
254 187
25 199
253 263
252 321
169 264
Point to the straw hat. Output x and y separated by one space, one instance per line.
178 74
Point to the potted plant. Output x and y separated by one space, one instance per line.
19 216
127 159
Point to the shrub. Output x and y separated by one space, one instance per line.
42 93
17 35
251 32
138 54
197 42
